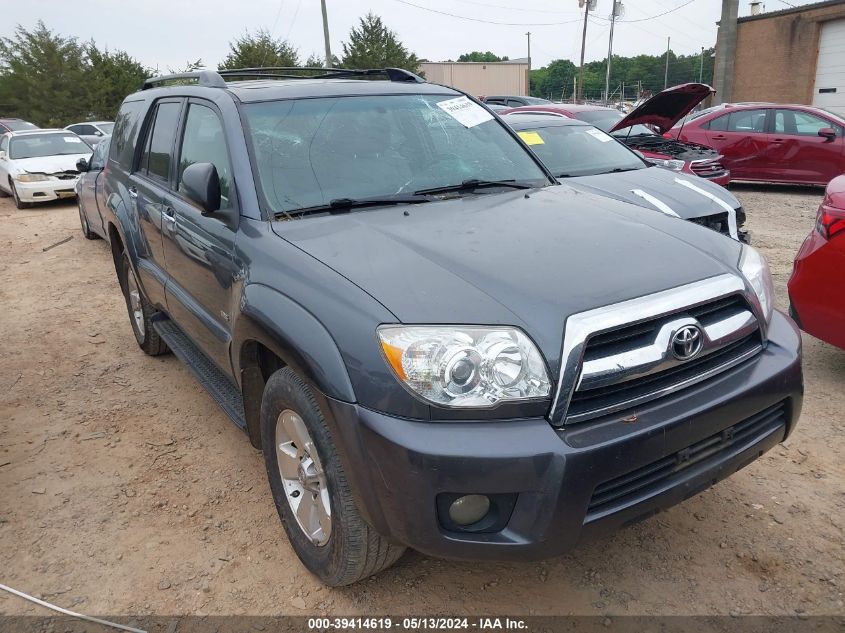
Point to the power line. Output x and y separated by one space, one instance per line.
519 9
464 17
660 15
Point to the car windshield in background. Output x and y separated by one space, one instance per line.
106 128
606 119
579 150
311 152
17 126
38 145
536 101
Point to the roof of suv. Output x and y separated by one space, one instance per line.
269 84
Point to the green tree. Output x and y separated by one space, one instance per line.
373 45
254 50
189 67
109 77
42 76
478 56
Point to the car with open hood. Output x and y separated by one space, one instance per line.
40 165
434 344
583 156
642 129
772 142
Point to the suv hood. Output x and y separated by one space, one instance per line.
666 108
661 184
511 258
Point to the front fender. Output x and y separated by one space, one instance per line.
292 333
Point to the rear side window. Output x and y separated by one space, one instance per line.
126 134
203 142
155 160
743 121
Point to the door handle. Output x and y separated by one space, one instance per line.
168 213
133 192
718 137
777 140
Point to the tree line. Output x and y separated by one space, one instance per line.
53 80
555 81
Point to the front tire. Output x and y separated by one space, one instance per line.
83 219
141 312
18 202
310 490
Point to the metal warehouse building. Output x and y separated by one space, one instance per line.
480 78
795 55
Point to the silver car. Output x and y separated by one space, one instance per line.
92 132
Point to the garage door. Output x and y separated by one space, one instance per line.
829 92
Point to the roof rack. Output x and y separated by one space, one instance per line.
217 78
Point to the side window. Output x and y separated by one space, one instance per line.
86 129
155 161
126 133
4 144
203 142
719 124
747 121
513 103
800 123
74 129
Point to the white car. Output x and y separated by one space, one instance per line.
92 132
40 165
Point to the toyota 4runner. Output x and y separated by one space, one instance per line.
434 344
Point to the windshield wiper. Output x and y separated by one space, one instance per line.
618 170
344 205
475 183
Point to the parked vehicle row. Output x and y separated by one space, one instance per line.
434 344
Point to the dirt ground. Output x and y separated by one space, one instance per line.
125 490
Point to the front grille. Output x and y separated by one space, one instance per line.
648 480
717 222
613 395
708 169
67 175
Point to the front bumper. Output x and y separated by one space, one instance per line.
46 190
398 467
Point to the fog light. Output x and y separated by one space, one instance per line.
469 509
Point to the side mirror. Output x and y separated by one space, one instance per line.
639 153
2 154
201 184
82 166
828 133
98 133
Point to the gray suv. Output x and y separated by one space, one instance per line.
433 343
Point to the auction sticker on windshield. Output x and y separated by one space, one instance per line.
531 138
466 112
604 138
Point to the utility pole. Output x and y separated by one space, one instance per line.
528 35
326 35
701 68
666 72
723 71
613 14
577 97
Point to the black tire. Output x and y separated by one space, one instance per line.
83 219
353 550
18 202
148 339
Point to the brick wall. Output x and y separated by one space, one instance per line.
776 55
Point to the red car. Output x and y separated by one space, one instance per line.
660 112
772 142
817 285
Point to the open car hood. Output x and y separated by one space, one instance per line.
666 108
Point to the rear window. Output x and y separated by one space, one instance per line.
606 119
40 145
16 125
126 133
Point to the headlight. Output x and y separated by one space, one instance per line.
674 165
465 366
755 269
32 177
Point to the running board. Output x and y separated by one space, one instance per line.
216 383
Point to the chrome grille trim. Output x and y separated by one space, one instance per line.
581 326
656 356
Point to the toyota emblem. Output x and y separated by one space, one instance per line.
686 342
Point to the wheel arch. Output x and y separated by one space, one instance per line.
272 331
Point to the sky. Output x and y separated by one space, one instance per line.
167 34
